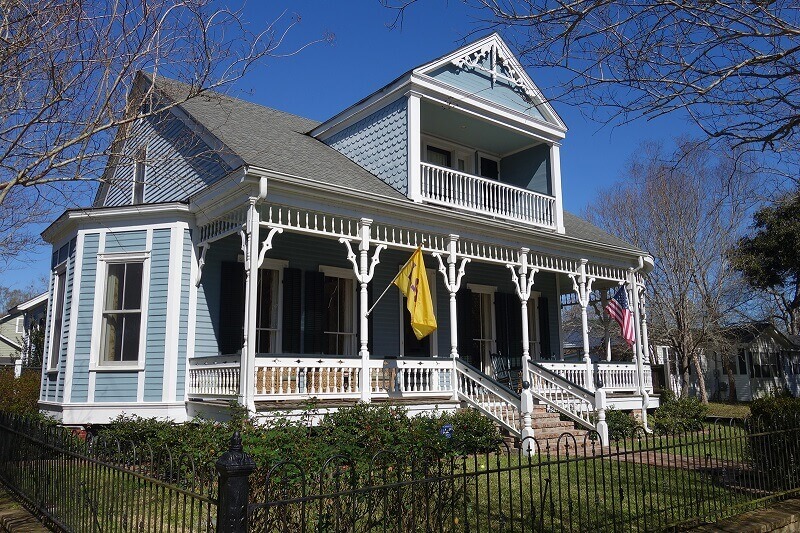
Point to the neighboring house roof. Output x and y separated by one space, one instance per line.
794 339
29 304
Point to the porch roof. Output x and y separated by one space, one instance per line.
279 141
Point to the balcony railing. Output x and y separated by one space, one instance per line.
449 187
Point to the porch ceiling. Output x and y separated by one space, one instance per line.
451 124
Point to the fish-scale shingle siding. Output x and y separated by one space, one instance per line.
379 143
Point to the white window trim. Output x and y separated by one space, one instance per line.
278 265
139 159
347 273
60 270
103 260
404 318
19 324
457 151
483 289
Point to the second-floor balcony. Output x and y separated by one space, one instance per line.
448 187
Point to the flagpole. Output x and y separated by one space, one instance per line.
369 311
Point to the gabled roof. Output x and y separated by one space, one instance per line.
503 66
748 332
278 141
272 139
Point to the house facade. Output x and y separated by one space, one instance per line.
16 326
233 251
762 361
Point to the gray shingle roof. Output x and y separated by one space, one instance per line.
279 141
274 140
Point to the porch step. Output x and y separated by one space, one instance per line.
548 429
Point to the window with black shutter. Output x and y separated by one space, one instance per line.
231 304
292 309
544 329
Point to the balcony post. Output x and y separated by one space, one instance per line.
555 168
414 148
523 284
452 282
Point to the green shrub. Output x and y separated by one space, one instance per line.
358 432
774 438
620 424
19 395
679 415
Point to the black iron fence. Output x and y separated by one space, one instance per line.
641 482
95 484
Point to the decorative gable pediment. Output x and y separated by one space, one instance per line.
488 69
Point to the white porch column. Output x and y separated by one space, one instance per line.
638 344
523 284
555 168
364 271
250 249
452 282
583 287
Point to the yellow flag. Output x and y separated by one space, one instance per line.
413 282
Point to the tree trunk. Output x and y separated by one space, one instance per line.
729 370
701 379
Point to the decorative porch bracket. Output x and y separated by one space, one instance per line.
201 262
267 244
364 273
452 282
583 288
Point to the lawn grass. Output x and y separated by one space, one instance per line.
728 410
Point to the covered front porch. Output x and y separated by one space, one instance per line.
281 318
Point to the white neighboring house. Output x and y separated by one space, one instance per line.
15 330
764 361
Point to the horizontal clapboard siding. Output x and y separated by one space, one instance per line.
183 326
116 387
178 163
157 315
125 241
83 336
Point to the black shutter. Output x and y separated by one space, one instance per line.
370 321
508 319
544 328
231 307
291 310
466 327
314 312
501 318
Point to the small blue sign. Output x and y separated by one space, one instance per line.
446 431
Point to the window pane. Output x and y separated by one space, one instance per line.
346 305
112 337
116 275
268 299
437 156
58 316
489 168
130 339
133 286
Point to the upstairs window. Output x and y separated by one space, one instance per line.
58 317
488 167
138 177
439 157
122 313
19 326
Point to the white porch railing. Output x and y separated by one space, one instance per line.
488 396
562 394
287 377
214 377
616 377
411 377
449 187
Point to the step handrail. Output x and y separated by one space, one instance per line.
504 409
563 395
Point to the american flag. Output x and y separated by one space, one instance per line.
618 309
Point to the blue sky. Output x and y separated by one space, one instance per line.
366 55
